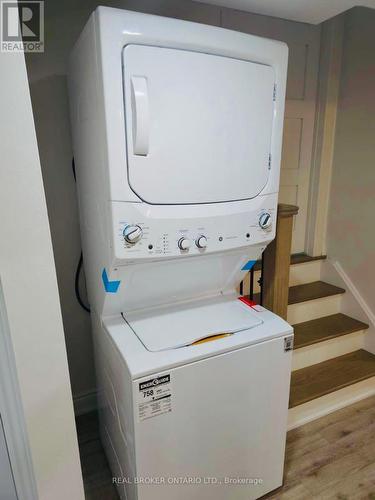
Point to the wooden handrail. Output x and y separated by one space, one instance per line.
276 263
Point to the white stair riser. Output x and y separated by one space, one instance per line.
319 407
313 309
305 273
329 349
299 274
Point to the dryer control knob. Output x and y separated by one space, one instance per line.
132 234
184 243
201 241
265 220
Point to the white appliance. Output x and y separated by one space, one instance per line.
177 131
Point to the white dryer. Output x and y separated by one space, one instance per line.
177 131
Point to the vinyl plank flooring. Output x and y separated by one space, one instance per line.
343 454
359 485
342 469
97 476
353 424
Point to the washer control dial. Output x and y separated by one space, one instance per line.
201 241
132 234
265 220
184 243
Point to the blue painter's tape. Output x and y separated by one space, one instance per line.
249 264
109 286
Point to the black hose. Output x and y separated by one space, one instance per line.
76 285
79 266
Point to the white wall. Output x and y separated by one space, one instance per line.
30 294
351 233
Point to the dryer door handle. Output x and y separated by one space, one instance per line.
140 115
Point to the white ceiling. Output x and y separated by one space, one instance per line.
308 11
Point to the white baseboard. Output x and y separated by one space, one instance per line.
84 403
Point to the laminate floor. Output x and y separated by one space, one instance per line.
330 458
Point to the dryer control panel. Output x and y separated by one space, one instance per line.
143 231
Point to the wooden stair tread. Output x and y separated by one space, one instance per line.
323 378
301 258
309 291
297 258
325 328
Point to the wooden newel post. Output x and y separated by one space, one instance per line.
276 263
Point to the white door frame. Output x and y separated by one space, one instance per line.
35 365
12 414
324 138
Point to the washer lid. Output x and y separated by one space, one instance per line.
180 326
198 126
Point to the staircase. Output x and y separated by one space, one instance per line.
330 368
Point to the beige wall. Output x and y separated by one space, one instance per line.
47 76
351 226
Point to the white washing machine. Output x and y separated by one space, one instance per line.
177 131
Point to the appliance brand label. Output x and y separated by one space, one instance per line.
155 397
164 379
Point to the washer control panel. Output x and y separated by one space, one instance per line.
139 235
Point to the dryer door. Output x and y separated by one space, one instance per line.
198 126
